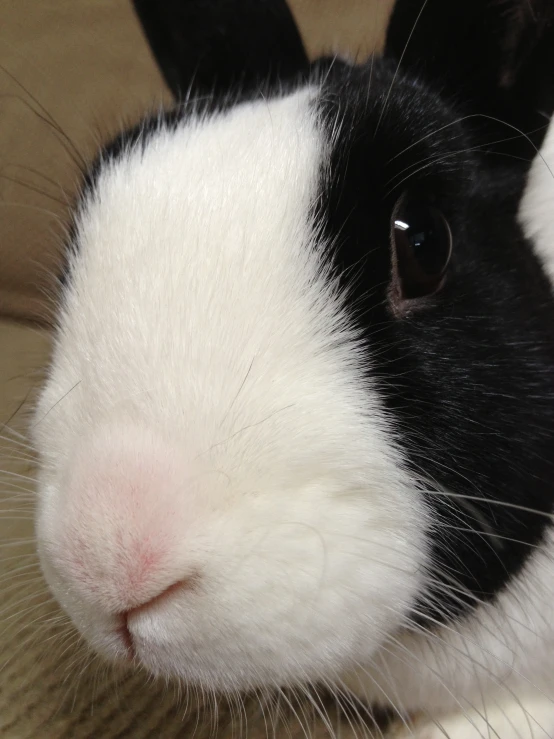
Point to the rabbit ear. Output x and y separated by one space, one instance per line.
215 46
494 57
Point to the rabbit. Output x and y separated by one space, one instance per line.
298 425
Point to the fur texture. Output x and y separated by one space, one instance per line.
537 206
261 465
252 345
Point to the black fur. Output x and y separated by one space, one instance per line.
490 58
467 375
218 45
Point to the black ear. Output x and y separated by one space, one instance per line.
215 46
493 57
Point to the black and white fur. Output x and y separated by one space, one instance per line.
270 467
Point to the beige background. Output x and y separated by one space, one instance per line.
86 70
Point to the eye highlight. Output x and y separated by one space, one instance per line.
422 243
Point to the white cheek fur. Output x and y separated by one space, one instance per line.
537 207
200 310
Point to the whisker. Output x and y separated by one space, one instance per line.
31 187
38 173
490 501
19 440
434 158
456 123
56 403
399 65
37 208
46 116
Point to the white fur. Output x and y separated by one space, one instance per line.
497 662
206 416
537 207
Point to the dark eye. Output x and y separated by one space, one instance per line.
422 241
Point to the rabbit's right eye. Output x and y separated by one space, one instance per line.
422 242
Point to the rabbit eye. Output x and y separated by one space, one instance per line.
422 242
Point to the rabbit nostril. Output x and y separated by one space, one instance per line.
126 637
188 583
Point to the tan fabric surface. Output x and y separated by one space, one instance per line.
50 688
88 68
86 63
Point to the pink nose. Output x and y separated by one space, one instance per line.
122 521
